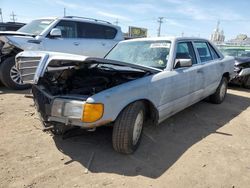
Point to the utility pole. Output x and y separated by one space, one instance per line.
1 15
160 22
116 22
64 12
12 17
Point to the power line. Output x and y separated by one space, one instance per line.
1 15
12 17
116 22
160 22
64 12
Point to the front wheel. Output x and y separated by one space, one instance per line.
10 76
128 128
246 82
220 93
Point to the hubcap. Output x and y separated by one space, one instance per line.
137 127
15 75
223 90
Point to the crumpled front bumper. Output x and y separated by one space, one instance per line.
44 104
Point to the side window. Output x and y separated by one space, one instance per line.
95 31
213 52
68 29
203 51
185 50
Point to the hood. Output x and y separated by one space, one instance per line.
42 61
4 33
241 60
57 59
23 41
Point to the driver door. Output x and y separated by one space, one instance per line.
68 42
185 85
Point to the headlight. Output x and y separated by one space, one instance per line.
86 112
73 109
67 108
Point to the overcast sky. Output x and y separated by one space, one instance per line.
192 17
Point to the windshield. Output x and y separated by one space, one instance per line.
148 53
36 26
236 52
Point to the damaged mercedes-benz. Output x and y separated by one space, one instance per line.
138 81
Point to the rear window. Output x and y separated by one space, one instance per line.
95 31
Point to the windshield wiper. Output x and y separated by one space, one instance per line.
106 67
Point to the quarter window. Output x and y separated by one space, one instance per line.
214 53
203 51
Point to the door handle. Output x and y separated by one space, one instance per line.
104 44
76 43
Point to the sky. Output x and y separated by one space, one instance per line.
187 17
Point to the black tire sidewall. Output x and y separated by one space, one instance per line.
131 129
5 68
122 137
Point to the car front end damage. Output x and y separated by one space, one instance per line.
242 70
65 86
11 43
66 110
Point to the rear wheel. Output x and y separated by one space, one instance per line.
128 128
10 76
220 93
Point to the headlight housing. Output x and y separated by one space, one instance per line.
67 108
86 112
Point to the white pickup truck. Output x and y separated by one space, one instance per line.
75 35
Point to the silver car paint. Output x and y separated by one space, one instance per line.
169 91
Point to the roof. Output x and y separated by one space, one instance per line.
170 38
81 19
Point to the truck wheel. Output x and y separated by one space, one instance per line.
220 93
128 128
10 76
246 82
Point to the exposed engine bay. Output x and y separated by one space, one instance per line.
87 80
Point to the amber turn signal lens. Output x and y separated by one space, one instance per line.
92 112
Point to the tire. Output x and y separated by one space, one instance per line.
220 93
8 73
128 128
246 82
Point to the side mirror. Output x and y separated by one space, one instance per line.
55 32
182 63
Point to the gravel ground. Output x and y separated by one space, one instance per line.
205 145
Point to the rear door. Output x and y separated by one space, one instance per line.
97 39
211 65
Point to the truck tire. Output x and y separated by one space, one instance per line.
10 76
220 93
246 82
128 128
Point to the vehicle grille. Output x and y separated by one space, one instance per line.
42 101
27 67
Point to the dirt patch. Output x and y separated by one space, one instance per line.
205 145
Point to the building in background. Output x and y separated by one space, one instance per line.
240 40
218 36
